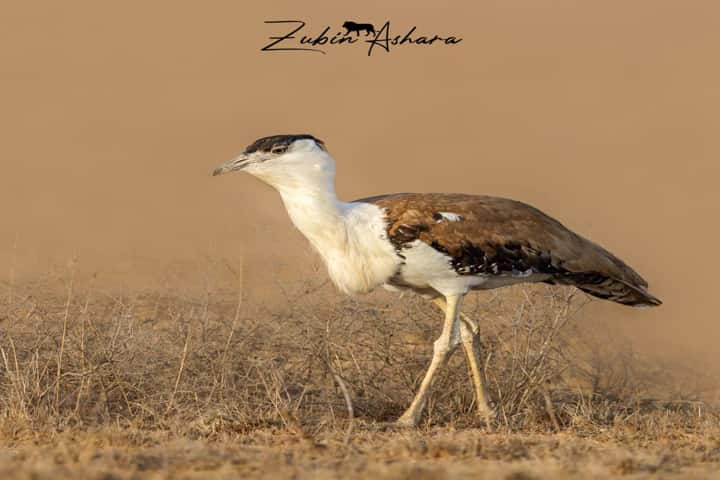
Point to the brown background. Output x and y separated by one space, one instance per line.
604 114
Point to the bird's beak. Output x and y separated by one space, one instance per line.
237 163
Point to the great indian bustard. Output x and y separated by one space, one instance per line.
439 245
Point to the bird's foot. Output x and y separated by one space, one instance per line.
487 416
390 426
407 421
404 425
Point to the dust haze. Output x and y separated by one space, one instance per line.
604 115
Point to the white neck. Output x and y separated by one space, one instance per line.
316 211
350 237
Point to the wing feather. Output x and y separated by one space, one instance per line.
495 236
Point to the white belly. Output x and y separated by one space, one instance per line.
426 268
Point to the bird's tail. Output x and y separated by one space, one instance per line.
607 288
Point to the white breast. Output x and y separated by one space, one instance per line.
366 259
351 238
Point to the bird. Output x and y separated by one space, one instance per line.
439 245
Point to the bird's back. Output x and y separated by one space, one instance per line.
497 237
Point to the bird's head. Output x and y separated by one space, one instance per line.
283 160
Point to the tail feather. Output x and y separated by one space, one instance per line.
613 289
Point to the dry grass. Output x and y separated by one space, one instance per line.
158 384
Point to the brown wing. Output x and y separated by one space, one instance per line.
495 236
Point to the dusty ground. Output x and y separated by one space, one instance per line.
101 384
435 453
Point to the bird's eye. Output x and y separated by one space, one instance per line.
279 149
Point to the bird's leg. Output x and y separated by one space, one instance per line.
443 347
471 344
470 334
